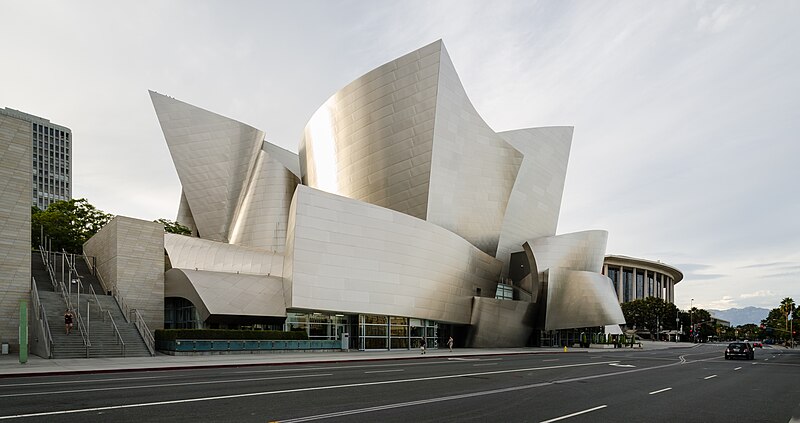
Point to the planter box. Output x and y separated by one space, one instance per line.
216 346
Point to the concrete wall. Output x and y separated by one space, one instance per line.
15 224
130 256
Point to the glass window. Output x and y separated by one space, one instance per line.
627 285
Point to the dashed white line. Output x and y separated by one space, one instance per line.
660 391
328 387
709 377
385 371
484 364
738 368
552 359
575 414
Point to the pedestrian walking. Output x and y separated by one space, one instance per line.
68 321
450 344
422 345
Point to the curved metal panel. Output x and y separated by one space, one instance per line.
535 200
261 221
500 323
289 160
350 256
472 168
185 217
194 253
217 293
577 299
576 251
214 157
371 141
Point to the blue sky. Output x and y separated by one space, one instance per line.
686 113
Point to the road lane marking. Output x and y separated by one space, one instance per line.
660 391
205 382
484 364
621 365
72 382
385 371
575 414
327 387
552 359
709 377
738 368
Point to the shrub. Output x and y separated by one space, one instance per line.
273 335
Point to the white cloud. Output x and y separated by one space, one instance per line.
722 17
757 294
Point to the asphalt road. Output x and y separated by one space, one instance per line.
677 385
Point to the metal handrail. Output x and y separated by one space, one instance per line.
127 311
122 305
47 331
46 260
41 316
141 326
119 337
96 301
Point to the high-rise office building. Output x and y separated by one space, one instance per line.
52 159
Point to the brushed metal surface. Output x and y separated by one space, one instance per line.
405 136
577 299
195 253
219 293
214 157
349 256
500 323
535 200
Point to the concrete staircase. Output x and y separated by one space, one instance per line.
103 338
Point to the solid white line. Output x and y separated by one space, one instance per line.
207 382
574 414
709 377
660 391
385 371
313 388
72 382
738 368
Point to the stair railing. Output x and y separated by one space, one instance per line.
46 260
116 331
84 336
41 317
141 326
128 313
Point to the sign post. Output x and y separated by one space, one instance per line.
23 332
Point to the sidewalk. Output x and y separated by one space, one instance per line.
36 366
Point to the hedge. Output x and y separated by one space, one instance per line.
274 335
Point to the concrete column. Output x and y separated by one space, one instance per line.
647 292
633 285
619 285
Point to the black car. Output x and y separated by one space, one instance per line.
739 349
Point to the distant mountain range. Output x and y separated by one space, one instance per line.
741 316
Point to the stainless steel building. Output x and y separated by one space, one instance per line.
404 216
52 159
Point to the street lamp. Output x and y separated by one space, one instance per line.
691 319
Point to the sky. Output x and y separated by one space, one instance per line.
686 113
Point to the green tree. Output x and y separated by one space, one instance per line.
174 227
651 314
67 223
776 323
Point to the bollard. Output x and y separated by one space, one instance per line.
565 348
